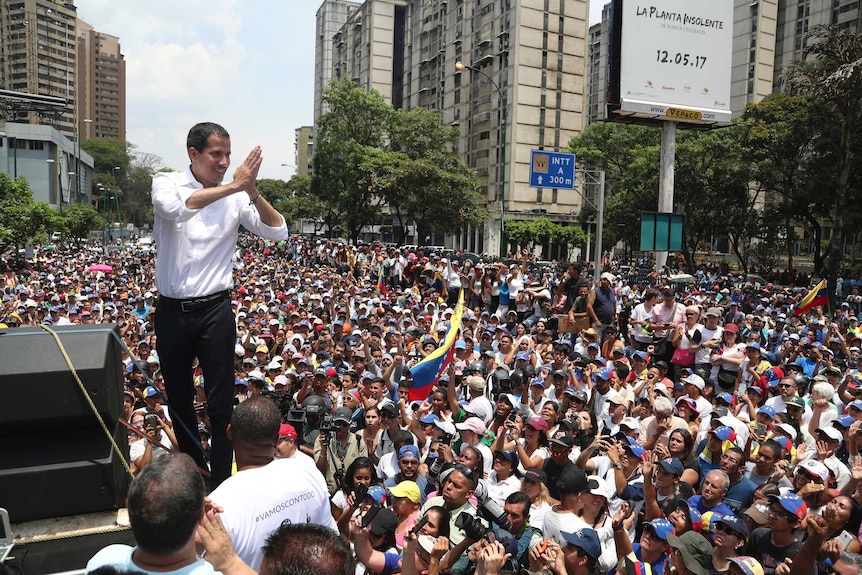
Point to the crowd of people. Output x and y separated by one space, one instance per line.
583 425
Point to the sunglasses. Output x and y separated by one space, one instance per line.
726 529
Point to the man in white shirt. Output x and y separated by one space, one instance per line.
265 491
196 226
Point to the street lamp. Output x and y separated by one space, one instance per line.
78 156
461 66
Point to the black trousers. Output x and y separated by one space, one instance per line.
210 335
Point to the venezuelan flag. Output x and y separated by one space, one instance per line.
817 296
428 371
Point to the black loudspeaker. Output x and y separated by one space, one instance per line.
55 459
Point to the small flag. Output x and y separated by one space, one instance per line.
381 282
817 296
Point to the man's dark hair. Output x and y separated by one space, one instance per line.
307 549
165 503
517 497
200 133
775 447
402 438
255 422
742 458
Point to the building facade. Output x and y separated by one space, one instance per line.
102 84
39 53
518 86
49 161
330 17
304 150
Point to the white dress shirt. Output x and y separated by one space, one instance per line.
196 246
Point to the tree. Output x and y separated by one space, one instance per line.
791 147
294 200
541 232
368 156
831 72
22 219
80 219
108 154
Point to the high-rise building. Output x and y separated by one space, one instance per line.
597 67
331 16
102 84
304 150
520 86
39 54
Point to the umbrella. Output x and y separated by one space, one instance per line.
470 256
681 279
100 268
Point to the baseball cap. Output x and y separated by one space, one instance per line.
768 410
831 433
735 524
662 528
564 439
844 421
795 401
694 516
695 380
791 503
815 469
604 373
572 482
538 424
151 391
586 540
384 522
286 431
724 433
408 451
472 424
597 486
748 565
342 414
536 475
377 493
788 429
510 456
758 513
672 465
430 418
634 447
407 489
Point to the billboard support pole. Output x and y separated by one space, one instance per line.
600 227
665 189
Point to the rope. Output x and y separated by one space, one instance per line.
88 398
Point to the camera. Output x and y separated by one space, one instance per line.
473 527
328 425
359 493
447 438
491 511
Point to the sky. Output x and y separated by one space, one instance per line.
248 66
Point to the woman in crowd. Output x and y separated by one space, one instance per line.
360 471
532 448
533 484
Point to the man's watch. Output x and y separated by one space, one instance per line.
618 464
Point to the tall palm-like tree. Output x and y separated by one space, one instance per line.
831 72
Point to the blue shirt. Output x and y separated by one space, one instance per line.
740 495
721 508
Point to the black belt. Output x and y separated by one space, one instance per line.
195 303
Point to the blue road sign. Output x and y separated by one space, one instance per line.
552 170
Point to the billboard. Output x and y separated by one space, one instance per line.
672 59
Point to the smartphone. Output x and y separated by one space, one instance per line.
370 514
419 525
760 430
512 416
151 420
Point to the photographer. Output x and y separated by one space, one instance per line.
159 441
335 449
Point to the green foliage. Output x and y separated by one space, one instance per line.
542 231
80 219
22 219
831 73
108 154
368 155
